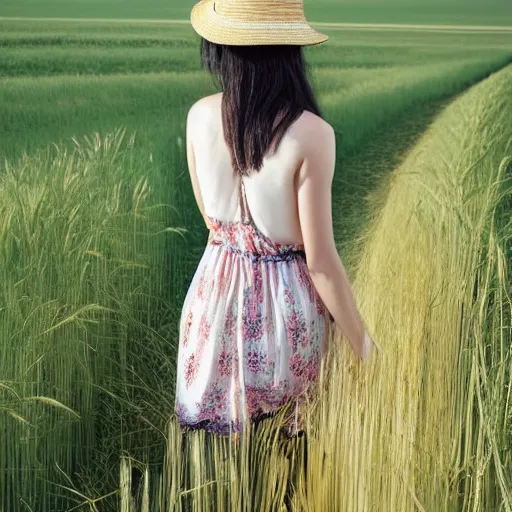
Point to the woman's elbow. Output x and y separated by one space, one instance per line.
324 263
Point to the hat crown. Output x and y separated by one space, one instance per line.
261 10
254 22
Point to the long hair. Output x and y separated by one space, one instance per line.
265 90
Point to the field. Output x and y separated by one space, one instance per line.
100 236
457 12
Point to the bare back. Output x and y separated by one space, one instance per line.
271 192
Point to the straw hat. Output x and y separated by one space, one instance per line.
254 22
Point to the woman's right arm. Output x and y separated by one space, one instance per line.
318 143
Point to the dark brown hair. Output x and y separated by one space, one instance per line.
265 89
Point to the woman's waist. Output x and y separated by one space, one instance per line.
260 253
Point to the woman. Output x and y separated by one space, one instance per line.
255 321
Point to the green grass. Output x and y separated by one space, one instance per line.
58 77
87 306
56 48
473 12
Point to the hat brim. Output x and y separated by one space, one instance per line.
217 29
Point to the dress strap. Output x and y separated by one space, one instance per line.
246 216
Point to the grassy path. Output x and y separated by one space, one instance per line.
362 177
359 186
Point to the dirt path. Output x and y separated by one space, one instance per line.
455 29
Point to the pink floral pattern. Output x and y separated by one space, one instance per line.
253 331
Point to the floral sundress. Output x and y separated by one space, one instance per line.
253 330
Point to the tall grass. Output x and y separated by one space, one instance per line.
87 314
427 424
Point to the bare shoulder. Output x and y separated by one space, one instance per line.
310 126
204 109
313 137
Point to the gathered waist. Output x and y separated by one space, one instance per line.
254 256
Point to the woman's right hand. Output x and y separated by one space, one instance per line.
368 346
